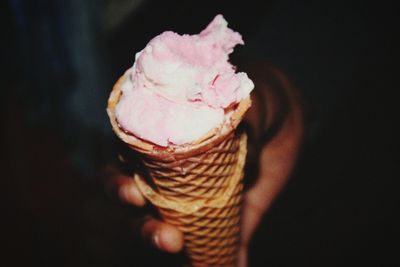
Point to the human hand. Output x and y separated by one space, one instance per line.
276 156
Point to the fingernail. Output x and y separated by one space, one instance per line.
156 239
133 190
137 197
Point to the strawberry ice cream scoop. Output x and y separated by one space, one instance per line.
181 86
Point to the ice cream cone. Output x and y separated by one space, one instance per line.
197 187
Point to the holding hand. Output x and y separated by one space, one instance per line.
276 121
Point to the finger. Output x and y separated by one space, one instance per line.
162 235
253 210
242 257
122 186
129 192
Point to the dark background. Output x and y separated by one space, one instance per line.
60 59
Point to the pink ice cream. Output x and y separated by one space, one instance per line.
180 86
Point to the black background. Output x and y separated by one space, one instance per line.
340 207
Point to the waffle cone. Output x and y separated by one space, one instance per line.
196 187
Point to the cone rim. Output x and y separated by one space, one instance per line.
174 152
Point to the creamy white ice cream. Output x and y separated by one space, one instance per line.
180 86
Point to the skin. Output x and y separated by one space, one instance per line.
278 134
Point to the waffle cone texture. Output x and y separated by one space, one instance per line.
196 187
